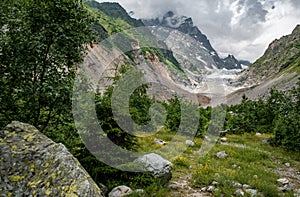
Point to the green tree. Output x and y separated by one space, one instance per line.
41 44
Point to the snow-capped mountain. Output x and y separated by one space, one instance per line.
185 25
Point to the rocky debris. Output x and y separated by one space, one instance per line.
236 166
258 134
223 139
158 166
283 181
189 143
214 183
236 184
120 191
33 165
221 155
239 192
287 165
139 191
245 186
255 176
160 142
211 188
265 141
252 192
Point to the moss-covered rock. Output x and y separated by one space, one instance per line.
33 165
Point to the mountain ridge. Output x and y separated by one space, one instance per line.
186 25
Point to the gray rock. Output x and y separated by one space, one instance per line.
139 191
158 166
283 181
287 165
33 165
236 184
159 141
239 192
258 134
189 143
214 183
245 186
174 186
265 141
252 192
120 191
211 188
223 139
221 155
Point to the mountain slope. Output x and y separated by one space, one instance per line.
282 56
278 68
185 25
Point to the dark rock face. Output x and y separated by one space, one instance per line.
186 26
33 165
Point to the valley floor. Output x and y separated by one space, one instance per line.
251 168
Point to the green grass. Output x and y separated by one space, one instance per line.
256 161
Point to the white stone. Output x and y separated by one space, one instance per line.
283 181
252 192
189 143
245 186
221 154
159 141
258 134
120 191
239 192
223 139
287 164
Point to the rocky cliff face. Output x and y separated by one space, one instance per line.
33 165
185 25
282 56
278 68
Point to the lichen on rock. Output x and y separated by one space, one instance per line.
33 165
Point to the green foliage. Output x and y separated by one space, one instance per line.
40 48
279 115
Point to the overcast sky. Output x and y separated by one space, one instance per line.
243 28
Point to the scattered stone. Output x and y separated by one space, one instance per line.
258 134
245 186
214 183
203 189
255 176
252 192
297 192
158 166
236 166
265 141
160 142
139 191
239 192
283 181
189 143
31 164
287 165
236 184
120 191
285 188
223 139
173 186
211 188
221 155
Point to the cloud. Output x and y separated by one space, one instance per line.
240 27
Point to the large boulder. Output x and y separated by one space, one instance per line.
33 165
158 166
